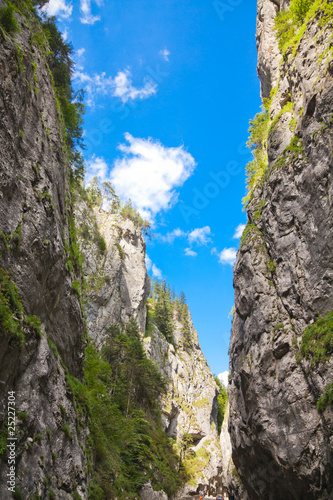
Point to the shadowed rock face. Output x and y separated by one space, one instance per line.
34 222
283 279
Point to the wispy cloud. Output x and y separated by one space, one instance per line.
149 174
87 17
124 89
171 236
156 272
190 253
165 53
120 86
58 8
200 236
228 256
96 166
239 231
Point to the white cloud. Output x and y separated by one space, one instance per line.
80 52
165 53
149 173
156 272
223 377
239 231
148 262
200 236
64 35
58 8
124 89
190 253
96 166
119 86
228 256
87 17
171 236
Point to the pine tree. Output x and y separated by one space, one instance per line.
164 310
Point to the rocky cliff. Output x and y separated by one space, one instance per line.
281 418
40 312
117 288
95 416
190 408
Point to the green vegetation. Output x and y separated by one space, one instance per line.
13 320
7 19
183 316
195 462
119 396
67 431
222 401
317 346
17 495
257 142
102 195
317 340
163 308
299 9
71 107
120 251
23 416
326 399
90 232
291 24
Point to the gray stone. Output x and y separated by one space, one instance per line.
280 443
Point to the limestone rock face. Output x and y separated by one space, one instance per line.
267 46
148 493
117 281
34 196
190 406
117 288
35 216
230 478
283 279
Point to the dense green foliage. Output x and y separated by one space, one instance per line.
317 340
326 399
119 396
164 307
59 57
13 320
291 24
299 10
317 346
222 401
257 142
103 196
7 19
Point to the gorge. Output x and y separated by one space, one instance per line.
114 398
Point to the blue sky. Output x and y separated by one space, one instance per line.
170 88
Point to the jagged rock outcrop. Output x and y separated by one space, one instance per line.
190 406
35 215
283 278
117 288
230 478
117 283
